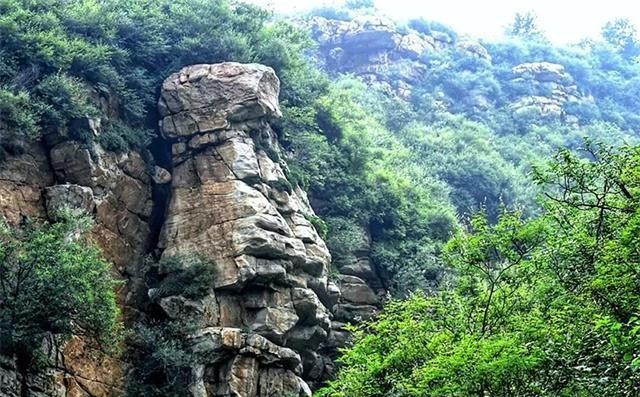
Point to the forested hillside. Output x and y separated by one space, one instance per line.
453 126
479 201
533 146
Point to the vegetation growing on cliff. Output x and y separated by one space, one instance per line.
467 138
396 169
161 352
359 173
542 307
540 299
53 281
61 61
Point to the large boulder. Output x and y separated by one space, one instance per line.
542 72
370 33
413 45
203 98
69 196
473 48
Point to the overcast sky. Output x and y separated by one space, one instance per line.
564 21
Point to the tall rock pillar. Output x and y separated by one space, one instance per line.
231 202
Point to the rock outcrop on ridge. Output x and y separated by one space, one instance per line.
377 50
546 90
395 59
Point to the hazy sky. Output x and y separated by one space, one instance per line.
564 21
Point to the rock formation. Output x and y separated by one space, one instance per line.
382 54
546 90
362 290
394 58
231 203
266 327
117 190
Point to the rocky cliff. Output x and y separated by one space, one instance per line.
377 50
396 59
117 190
266 325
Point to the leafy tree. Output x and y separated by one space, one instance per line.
164 358
53 281
525 26
622 35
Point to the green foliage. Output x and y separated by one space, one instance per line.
470 160
160 348
622 35
344 12
539 307
164 360
281 185
525 26
362 180
338 14
54 281
188 275
429 27
358 4
66 60
119 137
16 120
63 98
320 225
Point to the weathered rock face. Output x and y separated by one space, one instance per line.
546 90
361 289
114 187
266 327
375 49
22 181
117 190
231 203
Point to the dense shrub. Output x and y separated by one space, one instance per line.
191 276
536 307
160 348
163 358
54 281
364 182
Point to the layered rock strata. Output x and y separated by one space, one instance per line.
547 88
266 328
231 202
